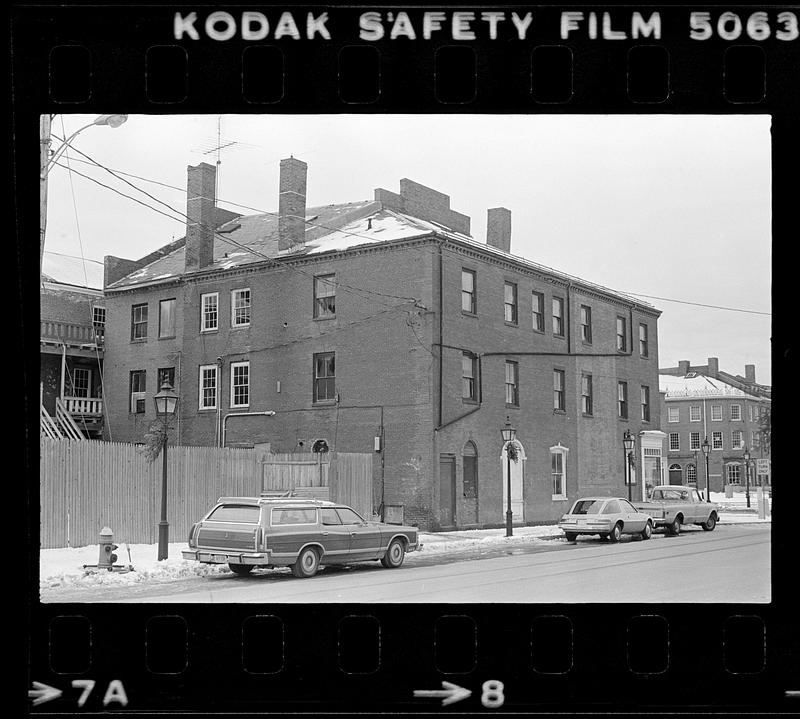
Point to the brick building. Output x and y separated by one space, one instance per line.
382 326
701 401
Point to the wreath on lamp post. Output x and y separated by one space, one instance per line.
511 451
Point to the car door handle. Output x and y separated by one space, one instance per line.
325 534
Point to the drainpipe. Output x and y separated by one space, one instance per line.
268 413
63 369
440 338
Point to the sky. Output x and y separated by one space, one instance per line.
674 209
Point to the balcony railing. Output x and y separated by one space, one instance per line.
84 406
71 333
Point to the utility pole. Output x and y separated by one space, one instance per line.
44 156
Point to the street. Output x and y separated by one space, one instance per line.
730 564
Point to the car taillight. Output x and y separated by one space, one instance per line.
191 535
259 539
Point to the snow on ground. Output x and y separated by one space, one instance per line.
64 567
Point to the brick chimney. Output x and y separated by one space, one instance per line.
713 366
423 202
292 203
683 367
498 228
200 201
750 373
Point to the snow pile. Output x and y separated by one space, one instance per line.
473 538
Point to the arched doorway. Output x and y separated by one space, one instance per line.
517 474
470 482
675 474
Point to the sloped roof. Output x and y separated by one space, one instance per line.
697 385
70 270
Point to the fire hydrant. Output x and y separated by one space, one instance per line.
107 557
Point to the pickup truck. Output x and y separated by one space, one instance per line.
672 505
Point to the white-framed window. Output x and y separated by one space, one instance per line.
737 439
81 382
558 464
510 302
622 334
716 413
558 390
512 383
240 384
736 412
716 440
695 413
645 403
324 377
587 395
240 307
325 296
674 442
586 324
139 322
469 373
622 400
644 342
166 318
468 297
138 385
694 440
691 474
673 414
208 386
99 321
733 474
537 311
209 312
558 317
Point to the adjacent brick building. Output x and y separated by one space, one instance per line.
699 402
382 326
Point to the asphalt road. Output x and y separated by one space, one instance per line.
729 565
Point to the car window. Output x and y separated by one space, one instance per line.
627 506
684 496
696 496
329 516
235 513
587 506
612 507
349 516
294 515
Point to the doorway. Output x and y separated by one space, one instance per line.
517 474
447 490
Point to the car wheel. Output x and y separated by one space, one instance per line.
615 534
571 536
240 569
307 563
710 523
394 554
675 527
647 532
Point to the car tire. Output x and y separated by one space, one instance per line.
675 528
307 563
395 553
240 569
647 532
571 536
615 534
710 523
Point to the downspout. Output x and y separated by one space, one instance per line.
63 369
440 338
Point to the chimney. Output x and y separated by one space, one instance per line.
498 228
683 367
713 366
292 203
750 373
200 201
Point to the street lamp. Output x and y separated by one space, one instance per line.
628 441
747 475
706 447
166 402
509 433
112 121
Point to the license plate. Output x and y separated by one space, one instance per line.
221 558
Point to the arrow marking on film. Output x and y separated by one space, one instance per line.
42 693
449 693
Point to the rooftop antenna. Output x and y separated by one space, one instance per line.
217 147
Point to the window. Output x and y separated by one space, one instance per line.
537 311
294 515
469 387
139 322
645 404
99 319
166 374
587 398
240 307
470 458
674 442
325 377
208 386
468 297
240 384
166 318
736 412
716 440
694 440
558 472
622 400
691 474
586 324
737 439
328 516
138 388
622 334
512 383
695 414
644 345
510 302
325 296
209 312
734 473
81 382
349 516
558 390
246 513
558 317
612 507
716 413
753 414
673 414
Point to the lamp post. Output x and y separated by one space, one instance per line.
628 441
166 401
509 433
706 447
695 468
747 475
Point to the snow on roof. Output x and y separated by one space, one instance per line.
71 270
696 385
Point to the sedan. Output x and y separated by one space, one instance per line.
610 517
